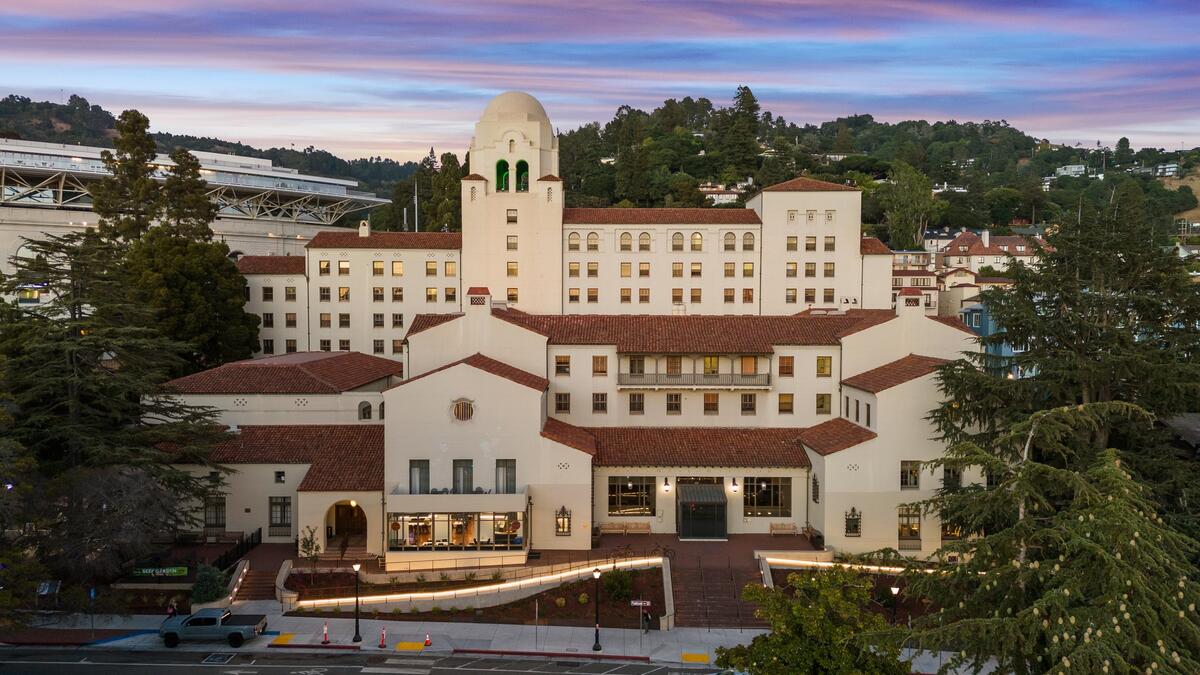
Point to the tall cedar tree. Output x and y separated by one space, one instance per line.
1105 315
817 622
1067 567
128 202
85 370
193 289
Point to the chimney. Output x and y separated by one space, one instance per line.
364 228
987 238
479 298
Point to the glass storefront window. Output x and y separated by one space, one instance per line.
468 531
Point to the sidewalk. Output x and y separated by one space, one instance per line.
694 646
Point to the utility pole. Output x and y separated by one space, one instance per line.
416 208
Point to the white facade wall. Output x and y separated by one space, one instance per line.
279 307
477 332
248 489
911 332
259 409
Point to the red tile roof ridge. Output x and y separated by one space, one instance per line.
659 216
569 435
895 373
271 264
954 321
806 184
873 246
835 435
489 365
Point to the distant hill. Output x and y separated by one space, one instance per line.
79 122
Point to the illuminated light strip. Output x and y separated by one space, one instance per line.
493 588
818 564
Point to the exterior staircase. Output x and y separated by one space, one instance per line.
711 597
257 586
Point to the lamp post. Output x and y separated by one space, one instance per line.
596 576
895 602
357 635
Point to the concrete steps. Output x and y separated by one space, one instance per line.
257 586
711 597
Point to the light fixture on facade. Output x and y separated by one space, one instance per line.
734 486
666 484
353 503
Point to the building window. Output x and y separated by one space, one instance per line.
644 269
280 510
511 268
268 346
522 176
626 295
830 243
377 320
502 176
747 295
289 293
697 241
397 321
827 295
696 269
325 345
512 242
637 404
562 365
506 476
280 476
910 475
747 269
868 416
343 268
397 346
730 241
644 241
675 404
562 403
816 490
730 269
696 296
464 480
451 293
512 295
289 346
677 241
376 268
268 293
748 241
573 241
268 320
711 365
510 215
343 320
643 295
749 404
462 410
593 241
791 243
418 476
562 522
810 269
767 497
600 365
344 345
824 366
344 294
677 269
572 295
677 296
573 269
364 410
712 404
289 320
824 404
397 294
397 268
789 296
377 346
909 528
787 366
791 269
828 269
786 403
631 495
430 294
674 365
810 295
853 522
600 403
450 268
323 268
214 512
626 241
593 269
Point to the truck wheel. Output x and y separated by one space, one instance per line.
236 640
171 640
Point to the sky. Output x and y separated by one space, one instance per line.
394 77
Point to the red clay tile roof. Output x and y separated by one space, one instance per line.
271 264
299 373
954 321
403 240
806 184
423 322
897 372
669 216
473 176
835 435
569 435
974 244
913 273
479 290
695 333
490 365
911 290
872 246
551 177
343 456
698 446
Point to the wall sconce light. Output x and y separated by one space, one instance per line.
353 503
734 486
666 484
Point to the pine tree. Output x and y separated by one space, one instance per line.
1065 567
817 625
128 201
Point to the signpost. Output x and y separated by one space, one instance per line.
639 603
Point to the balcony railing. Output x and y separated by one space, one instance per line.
693 380
910 544
279 530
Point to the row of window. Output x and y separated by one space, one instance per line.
908 527
694 296
462 477
377 346
450 294
268 320
268 293
377 320
862 411
449 268
279 511
810 216
763 497
712 403
695 269
695 242
748 365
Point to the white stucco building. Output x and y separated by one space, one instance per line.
703 372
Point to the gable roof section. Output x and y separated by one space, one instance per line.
569 435
665 216
698 446
423 322
299 373
873 246
399 240
342 456
806 184
834 436
490 365
895 373
695 334
954 321
271 264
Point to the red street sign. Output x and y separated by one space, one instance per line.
639 603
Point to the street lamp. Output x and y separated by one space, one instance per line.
895 602
357 635
596 576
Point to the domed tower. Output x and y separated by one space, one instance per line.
512 206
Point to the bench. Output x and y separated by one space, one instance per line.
612 528
637 528
784 528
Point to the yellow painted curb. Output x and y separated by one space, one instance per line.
410 646
694 658
283 639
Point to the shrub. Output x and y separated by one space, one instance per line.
583 598
498 575
420 578
398 610
618 584
560 602
209 585
469 576
442 576
435 609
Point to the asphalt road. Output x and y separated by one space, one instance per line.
40 661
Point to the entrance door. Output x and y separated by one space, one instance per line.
700 510
349 520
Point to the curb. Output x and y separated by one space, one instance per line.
558 655
316 646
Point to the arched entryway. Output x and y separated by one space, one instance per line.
345 526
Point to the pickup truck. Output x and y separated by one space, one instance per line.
212 624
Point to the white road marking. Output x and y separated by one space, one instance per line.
397 671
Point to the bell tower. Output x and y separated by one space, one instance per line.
512 206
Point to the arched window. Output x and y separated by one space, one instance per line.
573 241
522 176
364 410
626 241
593 241
462 409
502 176
748 241
677 241
381 410
730 241
512 145
697 241
644 241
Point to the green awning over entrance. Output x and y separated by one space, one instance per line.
702 494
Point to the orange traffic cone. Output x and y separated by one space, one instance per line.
325 634
383 638
428 642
